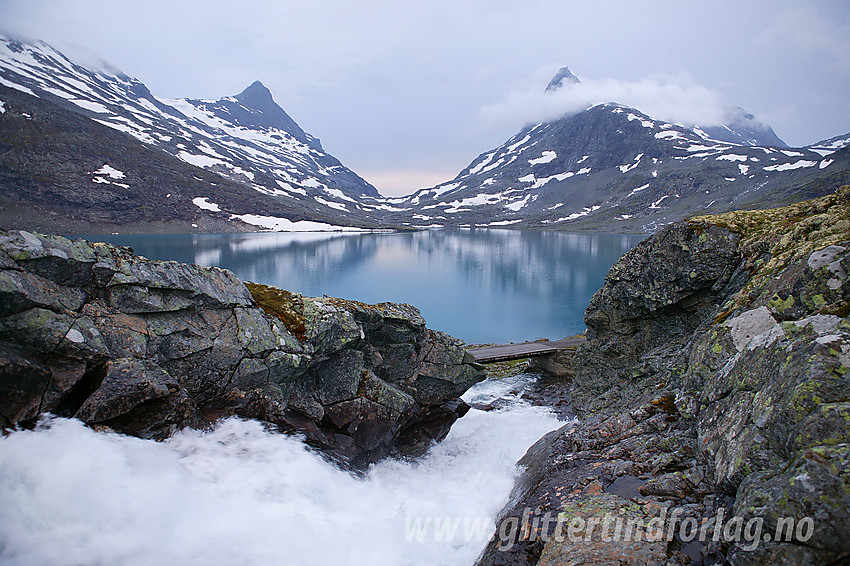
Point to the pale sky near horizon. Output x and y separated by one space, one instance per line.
407 94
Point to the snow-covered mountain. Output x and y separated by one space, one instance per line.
738 126
829 146
246 138
741 128
614 167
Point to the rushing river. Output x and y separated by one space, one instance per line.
238 494
70 496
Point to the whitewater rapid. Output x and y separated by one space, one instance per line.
238 494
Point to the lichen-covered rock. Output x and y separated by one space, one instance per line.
146 347
715 379
599 546
814 484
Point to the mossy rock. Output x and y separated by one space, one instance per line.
286 306
790 234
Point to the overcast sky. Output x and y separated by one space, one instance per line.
408 93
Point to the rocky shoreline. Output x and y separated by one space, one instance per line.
148 347
713 394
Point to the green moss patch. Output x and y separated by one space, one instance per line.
281 304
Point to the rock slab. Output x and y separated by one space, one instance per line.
144 347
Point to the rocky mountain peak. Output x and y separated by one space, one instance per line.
564 76
741 127
257 108
256 96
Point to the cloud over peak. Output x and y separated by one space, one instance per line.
673 98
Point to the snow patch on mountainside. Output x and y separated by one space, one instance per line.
547 157
638 189
790 166
205 204
110 172
583 212
276 224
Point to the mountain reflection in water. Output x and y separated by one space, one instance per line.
479 285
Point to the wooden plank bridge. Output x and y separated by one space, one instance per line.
505 352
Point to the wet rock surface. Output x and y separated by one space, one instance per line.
147 347
713 397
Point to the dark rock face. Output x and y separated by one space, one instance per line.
714 383
676 275
145 347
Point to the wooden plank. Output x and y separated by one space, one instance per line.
504 352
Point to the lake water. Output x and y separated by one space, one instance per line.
482 286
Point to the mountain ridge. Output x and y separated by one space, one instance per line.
64 173
257 144
609 167
258 97
615 168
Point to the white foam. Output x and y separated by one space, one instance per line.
241 495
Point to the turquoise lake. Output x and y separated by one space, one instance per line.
482 286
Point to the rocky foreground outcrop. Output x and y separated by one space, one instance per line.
147 347
714 396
